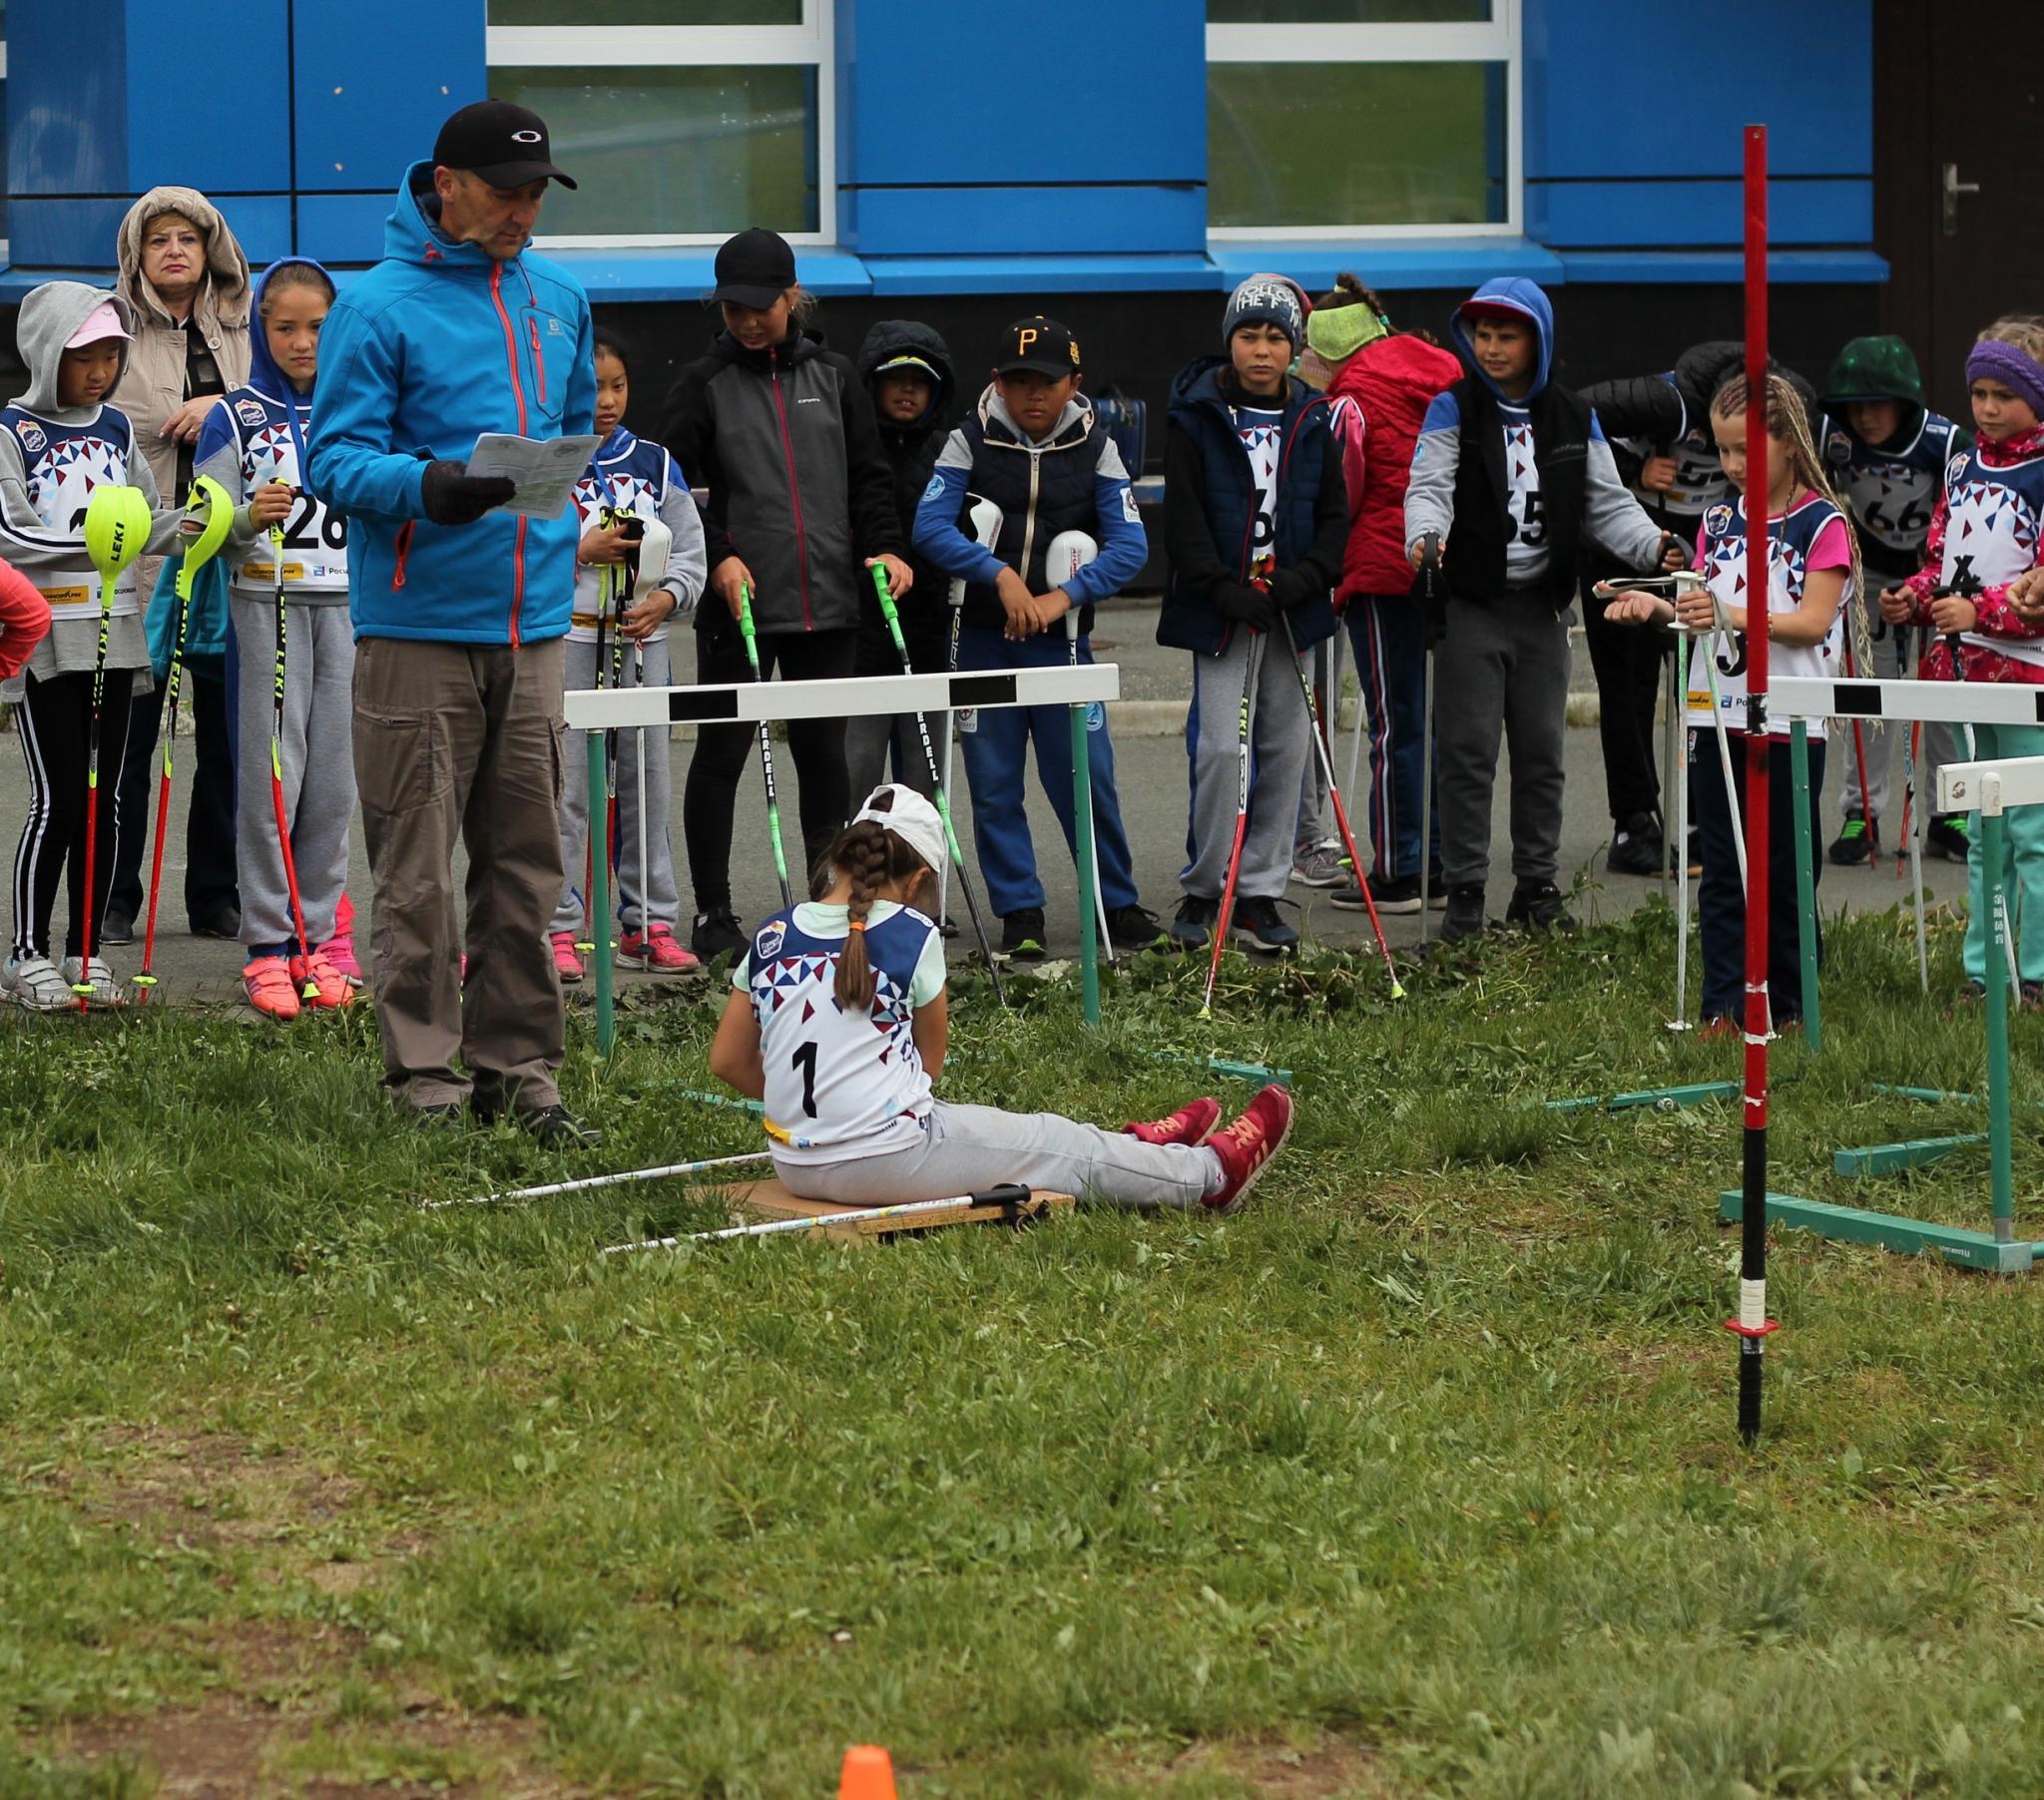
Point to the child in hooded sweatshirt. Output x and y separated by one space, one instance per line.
1983 537
1255 518
907 369
1888 451
1034 449
627 475
1511 473
1382 381
59 440
253 444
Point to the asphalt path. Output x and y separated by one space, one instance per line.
1151 762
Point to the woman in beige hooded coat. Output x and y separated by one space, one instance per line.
185 276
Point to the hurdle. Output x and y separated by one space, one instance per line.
1990 788
594 711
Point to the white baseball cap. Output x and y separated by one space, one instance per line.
910 818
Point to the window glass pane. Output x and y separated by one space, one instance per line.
1355 144
645 12
1336 12
661 149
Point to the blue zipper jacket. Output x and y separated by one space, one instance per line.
437 344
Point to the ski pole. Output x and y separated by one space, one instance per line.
1010 1195
302 963
1327 762
766 747
1859 762
656 545
1252 664
1912 829
117 527
1429 569
892 616
204 537
1069 551
588 1182
986 530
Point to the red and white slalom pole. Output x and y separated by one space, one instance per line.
1752 1325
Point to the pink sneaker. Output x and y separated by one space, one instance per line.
1247 1146
658 949
267 983
1186 1125
339 949
321 986
565 959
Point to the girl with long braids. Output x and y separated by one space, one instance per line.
1813 571
838 1022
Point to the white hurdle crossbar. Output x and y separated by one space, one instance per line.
1934 703
594 711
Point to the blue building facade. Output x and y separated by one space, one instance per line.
1123 163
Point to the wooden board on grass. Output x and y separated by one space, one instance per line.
770 1201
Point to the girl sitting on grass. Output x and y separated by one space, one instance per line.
1812 566
838 1021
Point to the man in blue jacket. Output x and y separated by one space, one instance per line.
459 616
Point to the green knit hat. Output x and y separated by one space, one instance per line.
1874 368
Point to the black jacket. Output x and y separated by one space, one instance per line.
911 452
1483 491
786 442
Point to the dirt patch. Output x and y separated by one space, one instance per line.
228 1751
213 1490
1331 1768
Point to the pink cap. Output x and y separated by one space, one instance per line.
104 320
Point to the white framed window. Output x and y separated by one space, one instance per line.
713 115
1344 119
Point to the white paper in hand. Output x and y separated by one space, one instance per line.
544 469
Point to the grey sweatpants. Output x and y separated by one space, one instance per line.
1278 749
867 742
967 1149
1501 671
637 893
318 764
463 740
1938 745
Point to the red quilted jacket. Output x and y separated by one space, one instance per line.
1390 382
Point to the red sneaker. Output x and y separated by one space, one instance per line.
566 962
1246 1145
660 949
1719 1027
1186 1125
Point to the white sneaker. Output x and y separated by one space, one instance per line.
105 990
35 984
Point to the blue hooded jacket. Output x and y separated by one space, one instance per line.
1509 293
434 346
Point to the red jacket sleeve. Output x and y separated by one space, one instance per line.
24 620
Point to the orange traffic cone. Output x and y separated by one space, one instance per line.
868 1774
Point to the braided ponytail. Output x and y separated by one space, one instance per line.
870 857
1788 419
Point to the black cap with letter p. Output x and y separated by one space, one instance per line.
1040 344
500 143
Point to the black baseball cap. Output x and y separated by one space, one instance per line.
498 143
754 270
1038 343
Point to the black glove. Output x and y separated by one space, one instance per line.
452 496
1246 605
1293 588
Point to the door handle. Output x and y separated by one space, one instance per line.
1953 188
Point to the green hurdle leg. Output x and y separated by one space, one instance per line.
1082 818
1805 883
600 896
1999 1148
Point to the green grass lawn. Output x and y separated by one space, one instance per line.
1417 1477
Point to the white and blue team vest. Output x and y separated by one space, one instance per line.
62 466
1991 532
838 1079
1893 492
1789 546
314 534
1699 482
633 476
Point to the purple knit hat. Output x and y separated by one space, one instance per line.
2007 364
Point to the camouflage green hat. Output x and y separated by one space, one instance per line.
1874 368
